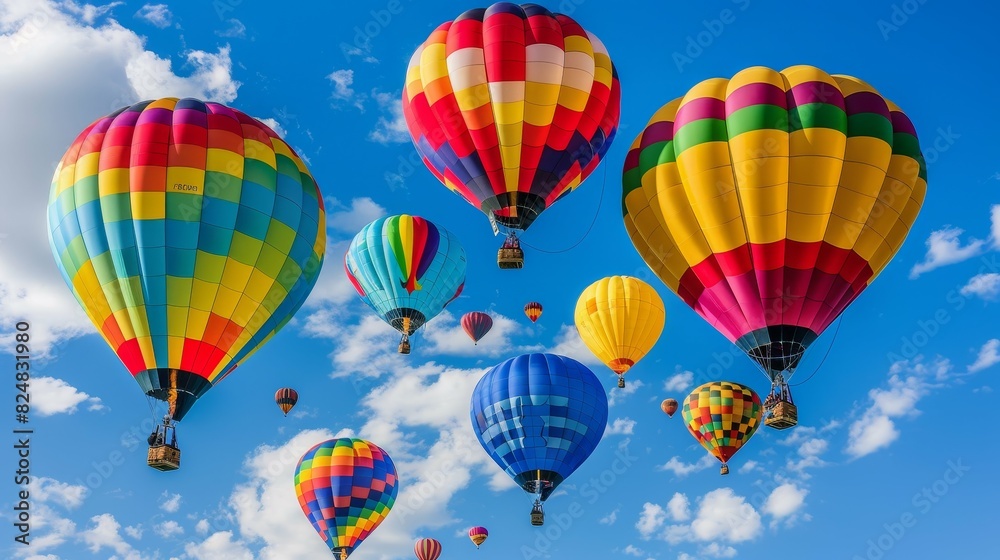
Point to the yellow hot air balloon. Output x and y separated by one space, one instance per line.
619 319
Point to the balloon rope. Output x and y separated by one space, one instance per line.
823 361
590 227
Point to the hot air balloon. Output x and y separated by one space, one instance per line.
539 416
533 310
619 319
407 269
511 107
478 535
190 234
427 549
286 398
722 416
768 202
476 324
669 407
346 487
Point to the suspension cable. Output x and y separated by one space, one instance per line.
823 361
589 228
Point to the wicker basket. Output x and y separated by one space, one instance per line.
510 257
784 415
164 457
537 518
404 347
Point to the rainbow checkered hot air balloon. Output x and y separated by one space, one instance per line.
769 201
190 233
407 269
511 107
722 416
346 487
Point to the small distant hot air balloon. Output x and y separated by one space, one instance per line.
346 487
533 310
286 398
478 535
539 416
476 324
512 107
769 202
722 416
427 549
407 269
669 407
619 318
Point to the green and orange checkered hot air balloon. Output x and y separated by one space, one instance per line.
722 416
190 233
769 201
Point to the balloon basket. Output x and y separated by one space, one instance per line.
164 457
404 347
724 469
510 257
621 382
537 518
784 415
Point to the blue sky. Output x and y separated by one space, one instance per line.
888 460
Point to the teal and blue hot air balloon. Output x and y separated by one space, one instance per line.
407 269
539 416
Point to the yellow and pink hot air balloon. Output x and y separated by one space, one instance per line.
478 535
769 201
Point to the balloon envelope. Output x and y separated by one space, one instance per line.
190 233
511 107
539 416
476 324
346 488
768 202
406 268
722 416
669 407
427 549
286 398
478 535
533 310
619 318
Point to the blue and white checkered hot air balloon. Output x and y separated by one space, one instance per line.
539 416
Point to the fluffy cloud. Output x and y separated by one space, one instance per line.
55 396
650 519
620 426
679 381
342 80
680 468
157 14
989 355
785 500
944 247
985 286
171 502
391 126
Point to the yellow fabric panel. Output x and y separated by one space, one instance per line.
175 349
148 205
176 320
179 177
164 103
258 286
850 85
471 98
245 309
671 199
113 181
225 302
862 178
433 63
540 115
726 236
817 141
63 178
806 227
574 99
252 149
712 195
87 165
871 151
850 212
236 275
752 75
800 74
809 199
579 43
509 114
197 321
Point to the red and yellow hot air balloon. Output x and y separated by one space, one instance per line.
427 549
533 310
511 107
769 201
478 535
669 407
722 416
286 398
619 318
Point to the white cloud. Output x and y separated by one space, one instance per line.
55 396
168 529
986 286
275 126
633 551
219 546
747 467
134 531
202 527
651 519
680 468
620 426
679 381
156 14
944 247
610 518
391 126
989 355
722 516
350 219
171 502
342 80
88 13
108 67
236 29
444 335
395 181
50 490
785 500
104 534
617 395
716 550
568 343
679 507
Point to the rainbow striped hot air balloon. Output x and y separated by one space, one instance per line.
769 201
407 269
346 488
512 107
190 233
285 398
